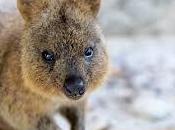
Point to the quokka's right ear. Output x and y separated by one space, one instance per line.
30 9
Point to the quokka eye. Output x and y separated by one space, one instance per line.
89 52
48 56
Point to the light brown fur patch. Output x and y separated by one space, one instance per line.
29 87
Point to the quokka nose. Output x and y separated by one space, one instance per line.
74 87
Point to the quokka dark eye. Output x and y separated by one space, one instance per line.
89 52
48 56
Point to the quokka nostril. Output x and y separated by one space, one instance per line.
82 91
68 91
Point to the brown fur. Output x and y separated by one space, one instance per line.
31 90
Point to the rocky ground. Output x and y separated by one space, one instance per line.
139 93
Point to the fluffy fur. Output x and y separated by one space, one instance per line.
30 89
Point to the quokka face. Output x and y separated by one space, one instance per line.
63 52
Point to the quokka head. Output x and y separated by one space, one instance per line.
63 50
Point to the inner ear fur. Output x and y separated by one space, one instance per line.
94 6
30 9
91 6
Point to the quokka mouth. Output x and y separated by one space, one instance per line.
75 96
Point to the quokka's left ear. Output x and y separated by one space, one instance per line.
94 6
91 6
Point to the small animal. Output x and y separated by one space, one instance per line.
51 59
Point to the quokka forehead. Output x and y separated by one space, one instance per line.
54 32
63 24
66 19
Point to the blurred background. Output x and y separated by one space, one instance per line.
140 91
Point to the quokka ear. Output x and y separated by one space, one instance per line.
94 6
30 9
91 6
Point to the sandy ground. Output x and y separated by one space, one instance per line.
139 93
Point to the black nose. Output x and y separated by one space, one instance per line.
74 87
